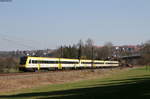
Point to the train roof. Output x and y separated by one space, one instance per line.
87 60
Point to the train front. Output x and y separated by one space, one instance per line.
23 61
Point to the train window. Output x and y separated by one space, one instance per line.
86 63
40 62
34 61
93 62
111 63
98 63
52 62
44 62
68 62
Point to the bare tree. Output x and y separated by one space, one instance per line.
105 51
89 48
89 42
145 53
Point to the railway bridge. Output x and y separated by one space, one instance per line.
130 59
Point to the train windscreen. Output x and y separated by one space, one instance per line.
23 60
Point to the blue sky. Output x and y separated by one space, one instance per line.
39 24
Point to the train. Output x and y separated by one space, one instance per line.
28 63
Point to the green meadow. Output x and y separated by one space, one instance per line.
128 84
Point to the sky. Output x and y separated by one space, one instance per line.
41 24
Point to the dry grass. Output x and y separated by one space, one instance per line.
11 83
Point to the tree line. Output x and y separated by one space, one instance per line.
84 50
88 50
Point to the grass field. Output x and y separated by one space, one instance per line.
129 84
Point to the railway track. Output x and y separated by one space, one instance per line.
32 73
46 72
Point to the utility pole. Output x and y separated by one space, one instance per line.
79 52
61 52
92 59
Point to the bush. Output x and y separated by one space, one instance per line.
9 64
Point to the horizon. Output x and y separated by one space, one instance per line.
68 45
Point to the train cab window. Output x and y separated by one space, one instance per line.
23 60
